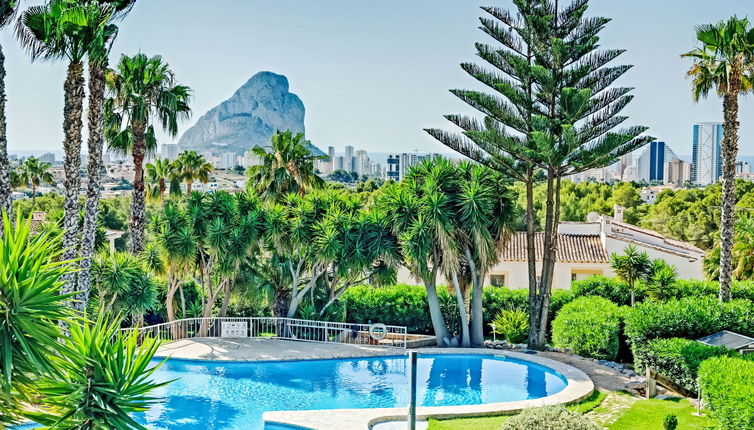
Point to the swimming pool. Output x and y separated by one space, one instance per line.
232 395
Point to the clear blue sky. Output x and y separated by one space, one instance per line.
371 73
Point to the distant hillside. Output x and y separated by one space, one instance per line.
259 108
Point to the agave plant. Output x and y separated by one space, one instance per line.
106 379
30 307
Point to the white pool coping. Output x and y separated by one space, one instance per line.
579 387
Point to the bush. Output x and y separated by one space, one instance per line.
548 418
727 385
590 326
403 305
612 289
689 318
496 299
670 422
512 324
678 359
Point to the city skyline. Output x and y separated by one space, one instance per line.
329 72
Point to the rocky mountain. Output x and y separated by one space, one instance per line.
259 108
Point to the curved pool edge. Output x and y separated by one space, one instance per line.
579 386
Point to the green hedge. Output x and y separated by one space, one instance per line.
690 318
727 385
590 326
496 299
612 289
679 359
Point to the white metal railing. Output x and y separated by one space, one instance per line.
277 328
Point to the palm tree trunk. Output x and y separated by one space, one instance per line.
94 174
465 338
138 196
435 311
33 197
162 187
729 152
6 204
72 125
226 300
188 188
477 320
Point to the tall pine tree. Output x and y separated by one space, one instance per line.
552 113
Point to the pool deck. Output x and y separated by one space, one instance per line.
579 385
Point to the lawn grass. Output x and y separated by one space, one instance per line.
484 423
649 414
590 403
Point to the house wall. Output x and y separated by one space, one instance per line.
517 274
685 268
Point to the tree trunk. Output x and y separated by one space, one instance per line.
465 337
6 203
72 125
477 317
189 184
226 300
549 269
33 197
532 262
94 173
729 152
138 196
280 307
183 301
435 311
162 187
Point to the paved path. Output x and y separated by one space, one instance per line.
267 350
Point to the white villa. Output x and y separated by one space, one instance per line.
584 250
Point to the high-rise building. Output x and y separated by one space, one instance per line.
651 163
361 162
393 170
48 158
170 151
339 163
677 172
707 159
331 159
227 160
743 167
348 160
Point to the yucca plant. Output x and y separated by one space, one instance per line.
30 308
106 379
512 324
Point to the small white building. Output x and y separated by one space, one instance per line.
584 250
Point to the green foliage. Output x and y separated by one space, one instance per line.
670 422
679 359
727 385
612 289
548 418
631 267
496 299
512 324
589 404
104 380
590 326
123 285
403 305
690 317
30 307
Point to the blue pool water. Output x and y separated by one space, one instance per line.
219 395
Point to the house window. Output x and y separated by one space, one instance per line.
573 277
497 280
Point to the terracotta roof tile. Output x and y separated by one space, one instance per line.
571 248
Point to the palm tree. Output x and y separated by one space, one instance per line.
191 167
58 30
159 174
725 62
142 89
7 10
34 173
287 167
99 50
631 267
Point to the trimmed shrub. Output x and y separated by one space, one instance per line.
678 359
612 289
548 418
670 422
727 385
512 324
590 326
403 305
691 318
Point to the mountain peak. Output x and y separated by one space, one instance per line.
261 106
